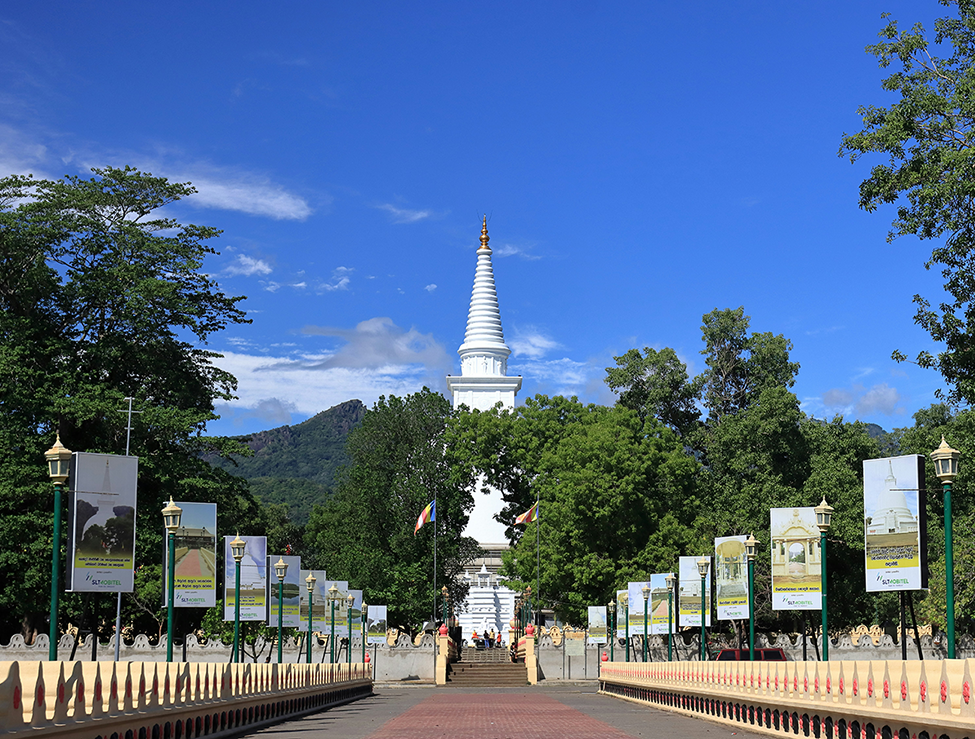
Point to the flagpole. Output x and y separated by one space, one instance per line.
538 554
435 522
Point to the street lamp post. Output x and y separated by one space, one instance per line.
348 652
281 570
625 600
237 551
823 515
58 462
171 515
612 633
946 468
528 606
670 616
310 584
333 596
702 567
646 600
751 546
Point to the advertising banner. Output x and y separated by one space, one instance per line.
293 585
635 594
196 557
253 579
101 523
622 607
689 586
597 625
355 624
796 560
319 604
659 606
895 525
376 624
731 577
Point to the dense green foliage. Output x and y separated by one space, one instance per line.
926 138
400 462
100 300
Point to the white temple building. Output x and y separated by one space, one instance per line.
482 384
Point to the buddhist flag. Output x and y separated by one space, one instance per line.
429 514
528 516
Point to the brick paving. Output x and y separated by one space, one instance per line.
551 712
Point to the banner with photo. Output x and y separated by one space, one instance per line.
659 606
796 560
101 523
376 624
319 604
895 524
634 591
731 577
293 586
253 579
689 588
356 624
597 625
196 557
621 612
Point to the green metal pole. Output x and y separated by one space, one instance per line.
751 610
349 649
52 648
237 612
670 624
949 575
331 641
645 602
171 594
612 639
626 620
311 598
822 570
703 634
363 629
280 616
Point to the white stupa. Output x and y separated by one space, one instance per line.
483 381
482 384
892 515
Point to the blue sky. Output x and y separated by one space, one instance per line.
640 164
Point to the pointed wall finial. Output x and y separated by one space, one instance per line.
484 236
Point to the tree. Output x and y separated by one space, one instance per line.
927 137
400 462
101 299
655 385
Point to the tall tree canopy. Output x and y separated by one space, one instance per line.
400 462
102 299
926 137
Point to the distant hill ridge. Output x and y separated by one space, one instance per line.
297 465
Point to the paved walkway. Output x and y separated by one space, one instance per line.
556 712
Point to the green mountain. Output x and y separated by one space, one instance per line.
297 465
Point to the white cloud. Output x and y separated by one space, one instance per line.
561 376
880 399
22 154
430 288
379 343
531 343
404 215
508 249
245 266
340 280
858 401
246 192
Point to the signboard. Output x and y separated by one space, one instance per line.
196 557
689 592
101 523
796 560
635 594
293 586
621 612
318 614
895 525
575 643
658 604
731 577
253 579
376 624
597 625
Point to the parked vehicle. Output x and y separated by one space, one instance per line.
761 655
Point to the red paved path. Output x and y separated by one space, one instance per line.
491 717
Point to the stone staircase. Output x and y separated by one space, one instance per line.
486 668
